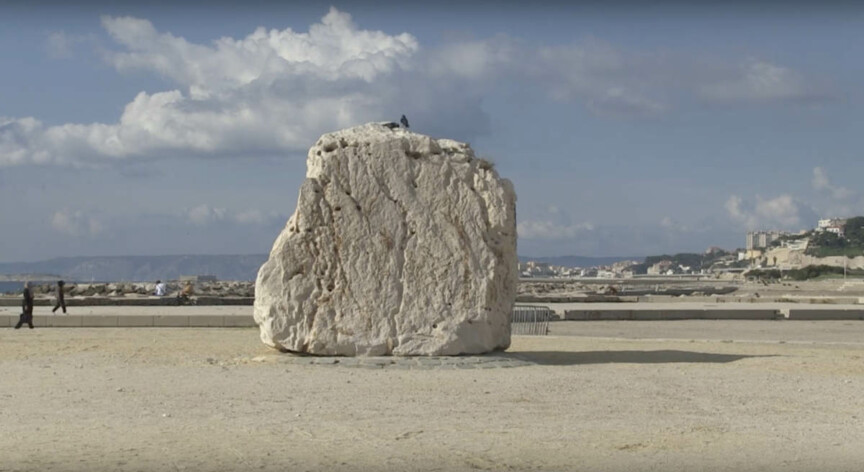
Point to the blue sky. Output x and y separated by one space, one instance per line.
627 130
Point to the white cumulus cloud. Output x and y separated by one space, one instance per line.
781 212
270 92
334 49
275 91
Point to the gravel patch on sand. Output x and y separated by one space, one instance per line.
216 399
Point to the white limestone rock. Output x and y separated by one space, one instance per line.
400 245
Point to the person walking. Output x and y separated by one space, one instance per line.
26 307
61 302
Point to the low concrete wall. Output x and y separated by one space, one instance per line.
840 300
581 298
673 314
824 314
134 321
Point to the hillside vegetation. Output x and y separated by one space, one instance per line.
805 273
825 244
696 261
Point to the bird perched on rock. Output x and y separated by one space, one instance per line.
404 121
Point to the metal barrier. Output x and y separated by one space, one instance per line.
530 320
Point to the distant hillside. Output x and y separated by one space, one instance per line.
141 268
580 261
28 276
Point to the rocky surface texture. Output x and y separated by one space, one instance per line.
400 245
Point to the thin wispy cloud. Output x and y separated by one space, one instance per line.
760 81
545 229
62 45
822 183
206 215
76 224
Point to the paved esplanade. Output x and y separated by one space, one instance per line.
215 316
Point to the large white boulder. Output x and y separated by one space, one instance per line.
400 245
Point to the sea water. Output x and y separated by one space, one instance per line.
17 287
6 287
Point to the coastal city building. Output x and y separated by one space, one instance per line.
764 249
762 239
661 268
796 244
825 223
531 269
832 225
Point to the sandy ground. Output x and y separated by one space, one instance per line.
776 331
601 396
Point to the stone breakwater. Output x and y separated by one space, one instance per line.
222 289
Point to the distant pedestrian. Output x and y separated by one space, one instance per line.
160 288
404 121
185 295
26 308
61 301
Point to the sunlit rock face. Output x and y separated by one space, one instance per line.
401 244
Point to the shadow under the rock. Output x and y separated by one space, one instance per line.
624 357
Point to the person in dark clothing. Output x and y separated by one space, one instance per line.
26 307
61 302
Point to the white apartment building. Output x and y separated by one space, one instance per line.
826 223
762 239
832 225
